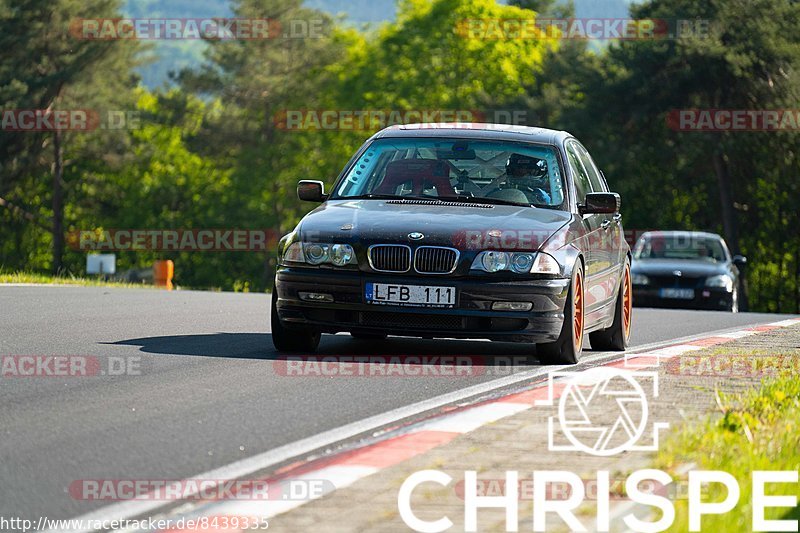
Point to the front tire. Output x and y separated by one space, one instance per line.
618 336
291 340
567 349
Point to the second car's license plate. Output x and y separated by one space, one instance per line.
679 294
410 295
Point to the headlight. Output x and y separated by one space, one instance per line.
519 262
545 264
294 254
720 281
341 254
492 261
319 253
316 254
639 279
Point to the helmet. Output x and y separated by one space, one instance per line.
527 170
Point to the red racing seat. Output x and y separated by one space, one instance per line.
420 173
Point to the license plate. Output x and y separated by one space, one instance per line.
410 295
678 294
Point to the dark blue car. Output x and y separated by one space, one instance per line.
685 269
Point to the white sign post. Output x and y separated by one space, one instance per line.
103 264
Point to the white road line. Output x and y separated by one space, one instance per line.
736 334
269 458
472 418
785 323
244 467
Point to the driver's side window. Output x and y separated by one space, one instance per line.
596 180
582 184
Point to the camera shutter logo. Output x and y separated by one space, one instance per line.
603 411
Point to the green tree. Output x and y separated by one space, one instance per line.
45 67
256 81
443 54
618 103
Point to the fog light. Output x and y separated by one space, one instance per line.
512 306
315 296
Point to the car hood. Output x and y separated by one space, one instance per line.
667 267
382 221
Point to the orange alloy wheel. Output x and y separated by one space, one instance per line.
627 302
578 302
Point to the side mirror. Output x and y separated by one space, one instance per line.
600 203
739 260
311 191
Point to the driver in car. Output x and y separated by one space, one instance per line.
527 175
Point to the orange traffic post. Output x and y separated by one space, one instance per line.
163 271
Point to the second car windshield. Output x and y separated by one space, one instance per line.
504 172
680 247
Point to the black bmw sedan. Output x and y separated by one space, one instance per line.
460 231
686 269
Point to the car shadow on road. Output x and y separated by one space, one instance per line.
259 346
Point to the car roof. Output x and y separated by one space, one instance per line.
684 234
476 130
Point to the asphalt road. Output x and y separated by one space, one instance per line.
208 390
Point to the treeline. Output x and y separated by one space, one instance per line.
215 151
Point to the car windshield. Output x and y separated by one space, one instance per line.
689 247
457 169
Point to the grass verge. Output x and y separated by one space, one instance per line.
754 429
45 279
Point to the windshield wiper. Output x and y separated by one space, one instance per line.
459 199
371 196
481 200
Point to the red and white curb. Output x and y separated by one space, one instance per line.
345 468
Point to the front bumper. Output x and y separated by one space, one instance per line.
705 298
471 318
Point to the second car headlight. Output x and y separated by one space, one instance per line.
639 279
313 253
722 281
519 262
